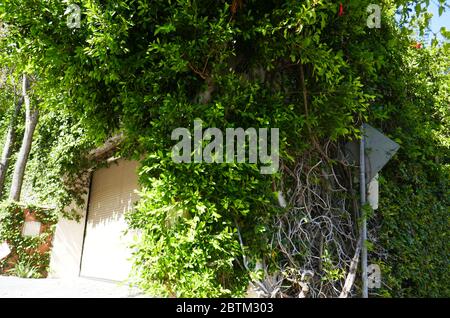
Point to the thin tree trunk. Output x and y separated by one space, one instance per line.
9 143
31 119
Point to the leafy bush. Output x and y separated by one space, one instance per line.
25 269
191 225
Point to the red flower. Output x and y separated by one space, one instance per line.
418 45
341 10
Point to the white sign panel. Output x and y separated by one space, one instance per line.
372 195
31 228
4 250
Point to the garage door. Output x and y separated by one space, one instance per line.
106 250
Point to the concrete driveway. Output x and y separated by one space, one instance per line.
14 287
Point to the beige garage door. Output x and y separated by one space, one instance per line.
106 250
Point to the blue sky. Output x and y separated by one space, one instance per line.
438 21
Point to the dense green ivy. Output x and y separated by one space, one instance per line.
24 249
415 189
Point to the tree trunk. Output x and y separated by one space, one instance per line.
9 143
31 119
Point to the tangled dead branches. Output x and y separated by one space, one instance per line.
316 235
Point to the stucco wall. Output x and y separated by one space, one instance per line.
67 246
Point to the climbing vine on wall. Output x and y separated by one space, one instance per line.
32 252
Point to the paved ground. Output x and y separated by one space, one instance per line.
13 287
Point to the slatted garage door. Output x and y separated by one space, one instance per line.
105 250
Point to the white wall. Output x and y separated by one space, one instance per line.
65 255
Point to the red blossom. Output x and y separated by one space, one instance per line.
341 10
